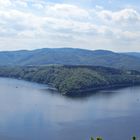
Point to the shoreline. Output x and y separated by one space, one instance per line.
74 81
77 93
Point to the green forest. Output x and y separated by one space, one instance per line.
74 80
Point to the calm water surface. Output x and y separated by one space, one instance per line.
29 111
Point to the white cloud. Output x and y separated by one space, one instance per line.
20 3
124 16
38 5
5 3
66 11
69 24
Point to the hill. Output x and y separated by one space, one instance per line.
74 80
136 54
69 56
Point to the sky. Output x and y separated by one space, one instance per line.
87 24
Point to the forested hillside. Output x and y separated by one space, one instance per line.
69 56
74 80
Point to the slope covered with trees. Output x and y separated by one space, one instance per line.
69 56
74 80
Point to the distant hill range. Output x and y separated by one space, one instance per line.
69 56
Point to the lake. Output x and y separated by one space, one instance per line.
29 111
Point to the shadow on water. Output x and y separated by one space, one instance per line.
104 93
84 95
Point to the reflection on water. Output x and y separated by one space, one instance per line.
30 112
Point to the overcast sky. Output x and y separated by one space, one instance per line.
89 24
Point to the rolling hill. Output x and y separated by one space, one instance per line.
136 54
69 56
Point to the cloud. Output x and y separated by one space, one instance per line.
20 3
5 3
66 11
38 6
69 24
124 16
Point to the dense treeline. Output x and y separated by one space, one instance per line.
74 79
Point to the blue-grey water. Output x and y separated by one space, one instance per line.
29 111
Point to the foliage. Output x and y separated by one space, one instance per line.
134 138
69 56
72 80
99 138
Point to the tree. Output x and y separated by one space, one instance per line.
134 138
99 138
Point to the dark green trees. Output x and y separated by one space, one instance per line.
134 138
98 138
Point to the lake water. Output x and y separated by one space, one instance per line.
29 111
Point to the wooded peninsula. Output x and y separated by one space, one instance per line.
74 80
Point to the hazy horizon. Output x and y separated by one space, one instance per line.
87 24
33 49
